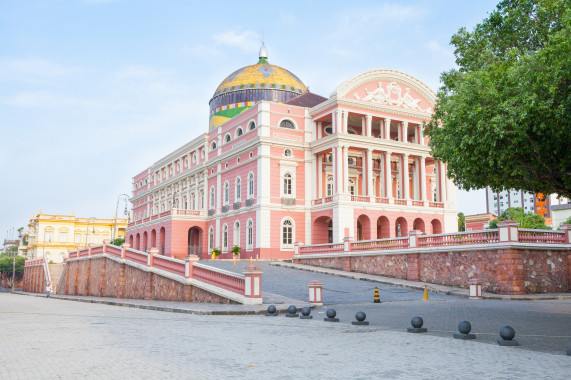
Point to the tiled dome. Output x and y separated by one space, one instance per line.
247 86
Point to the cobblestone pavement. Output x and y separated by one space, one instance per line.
293 284
56 339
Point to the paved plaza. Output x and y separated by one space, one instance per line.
50 339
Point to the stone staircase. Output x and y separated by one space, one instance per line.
56 271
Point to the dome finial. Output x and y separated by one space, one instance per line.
263 54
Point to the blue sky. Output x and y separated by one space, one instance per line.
94 91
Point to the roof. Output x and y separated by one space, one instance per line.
308 99
561 207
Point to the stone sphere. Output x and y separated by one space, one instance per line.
331 313
464 327
507 333
360 316
305 311
416 322
292 309
271 309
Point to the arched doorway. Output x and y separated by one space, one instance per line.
401 227
363 228
322 230
162 234
138 242
154 239
383 228
418 225
436 226
145 241
195 241
131 240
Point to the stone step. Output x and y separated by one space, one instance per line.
55 273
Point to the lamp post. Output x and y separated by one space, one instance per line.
125 197
87 231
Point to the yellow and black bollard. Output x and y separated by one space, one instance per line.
376 298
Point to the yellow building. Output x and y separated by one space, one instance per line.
50 236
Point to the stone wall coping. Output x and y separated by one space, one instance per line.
456 248
221 292
168 258
213 269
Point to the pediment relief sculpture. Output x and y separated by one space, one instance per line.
392 96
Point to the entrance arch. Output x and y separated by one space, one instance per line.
383 228
194 241
363 228
322 230
401 227
418 225
436 226
162 234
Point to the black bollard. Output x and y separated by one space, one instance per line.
507 334
305 311
292 312
464 327
331 313
416 323
271 311
360 319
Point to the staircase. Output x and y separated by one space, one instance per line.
56 271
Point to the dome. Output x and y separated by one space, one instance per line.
247 86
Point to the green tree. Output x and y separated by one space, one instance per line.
502 118
118 241
567 221
461 222
525 220
6 265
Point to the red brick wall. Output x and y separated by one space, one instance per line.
503 271
112 279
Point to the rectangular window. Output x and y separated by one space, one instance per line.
63 237
48 236
77 238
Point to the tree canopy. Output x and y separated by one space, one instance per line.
502 118
525 220
6 265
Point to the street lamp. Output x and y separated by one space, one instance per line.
125 197
87 231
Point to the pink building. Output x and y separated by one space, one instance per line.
281 165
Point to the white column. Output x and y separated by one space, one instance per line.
369 125
423 178
420 134
370 172
334 124
319 176
345 159
318 126
388 176
405 131
415 180
388 129
339 121
405 187
314 184
416 129
442 182
345 121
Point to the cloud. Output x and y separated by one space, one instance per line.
44 99
435 47
246 41
34 70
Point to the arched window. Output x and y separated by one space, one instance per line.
238 190
250 239
239 132
193 201
287 234
329 186
202 199
251 185
227 138
213 146
226 192
225 238
287 124
287 184
251 126
236 240
212 197
211 238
